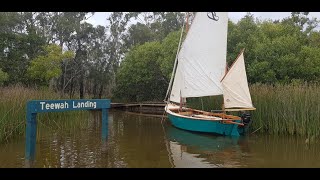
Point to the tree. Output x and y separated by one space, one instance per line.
98 63
45 67
153 26
19 42
139 77
169 47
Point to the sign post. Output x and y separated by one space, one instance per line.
37 106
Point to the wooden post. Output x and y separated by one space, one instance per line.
104 129
31 134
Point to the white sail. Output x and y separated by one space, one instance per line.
176 87
183 159
202 58
235 86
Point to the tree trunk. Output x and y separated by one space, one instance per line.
101 91
81 88
62 80
95 89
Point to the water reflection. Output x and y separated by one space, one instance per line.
136 141
190 149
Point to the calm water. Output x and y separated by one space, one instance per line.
140 141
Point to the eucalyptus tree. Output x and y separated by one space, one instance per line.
20 42
47 65
152 26
69 31
98 63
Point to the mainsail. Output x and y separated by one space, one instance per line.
202 58
236 92
176 87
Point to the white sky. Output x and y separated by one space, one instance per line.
99 18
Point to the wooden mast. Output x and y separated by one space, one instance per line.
222 106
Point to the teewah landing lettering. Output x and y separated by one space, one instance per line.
64 105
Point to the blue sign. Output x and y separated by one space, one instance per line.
37 106
67 105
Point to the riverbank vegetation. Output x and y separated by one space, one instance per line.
55 55
283 109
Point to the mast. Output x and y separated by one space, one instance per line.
187 23
167 98
184 100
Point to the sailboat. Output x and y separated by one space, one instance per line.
200 69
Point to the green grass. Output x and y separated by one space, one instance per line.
13 102
287 109
281 109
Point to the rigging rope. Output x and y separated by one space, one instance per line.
175 64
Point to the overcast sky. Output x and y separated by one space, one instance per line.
99 18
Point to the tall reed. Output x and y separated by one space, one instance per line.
292 109
13 102
287 109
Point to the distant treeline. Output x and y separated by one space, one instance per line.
285 52
131 59
61 50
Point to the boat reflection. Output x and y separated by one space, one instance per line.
188 149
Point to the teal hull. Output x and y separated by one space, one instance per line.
201 142
207 126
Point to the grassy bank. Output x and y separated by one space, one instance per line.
13 102
281 109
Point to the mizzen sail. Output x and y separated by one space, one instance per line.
236 92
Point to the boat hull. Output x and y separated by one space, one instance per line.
207 126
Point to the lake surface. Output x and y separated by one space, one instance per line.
138 141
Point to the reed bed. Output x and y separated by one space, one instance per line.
292 109
287 109
13 102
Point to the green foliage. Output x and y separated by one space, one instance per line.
45 67
139 77
169 47
3 77
155 27
19 42
146 70
275 52
280 51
